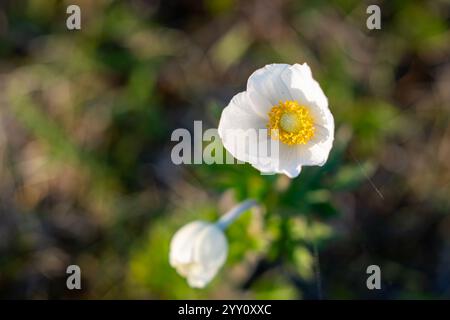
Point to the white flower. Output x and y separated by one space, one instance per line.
289 104
197 251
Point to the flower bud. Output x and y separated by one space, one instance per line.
197 251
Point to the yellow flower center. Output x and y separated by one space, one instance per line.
291 123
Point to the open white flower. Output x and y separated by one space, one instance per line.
197 251
290 107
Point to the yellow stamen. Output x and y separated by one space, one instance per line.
291 123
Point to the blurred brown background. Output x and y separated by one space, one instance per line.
85 171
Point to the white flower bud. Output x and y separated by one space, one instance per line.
197 251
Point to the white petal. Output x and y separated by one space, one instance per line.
211 248
200 277
238 125
265 88
210 253
285 161
316 151
290 159
182 243
239 115
276 157
303 87
290 163
307 91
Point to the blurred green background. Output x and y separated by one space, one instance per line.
85 172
